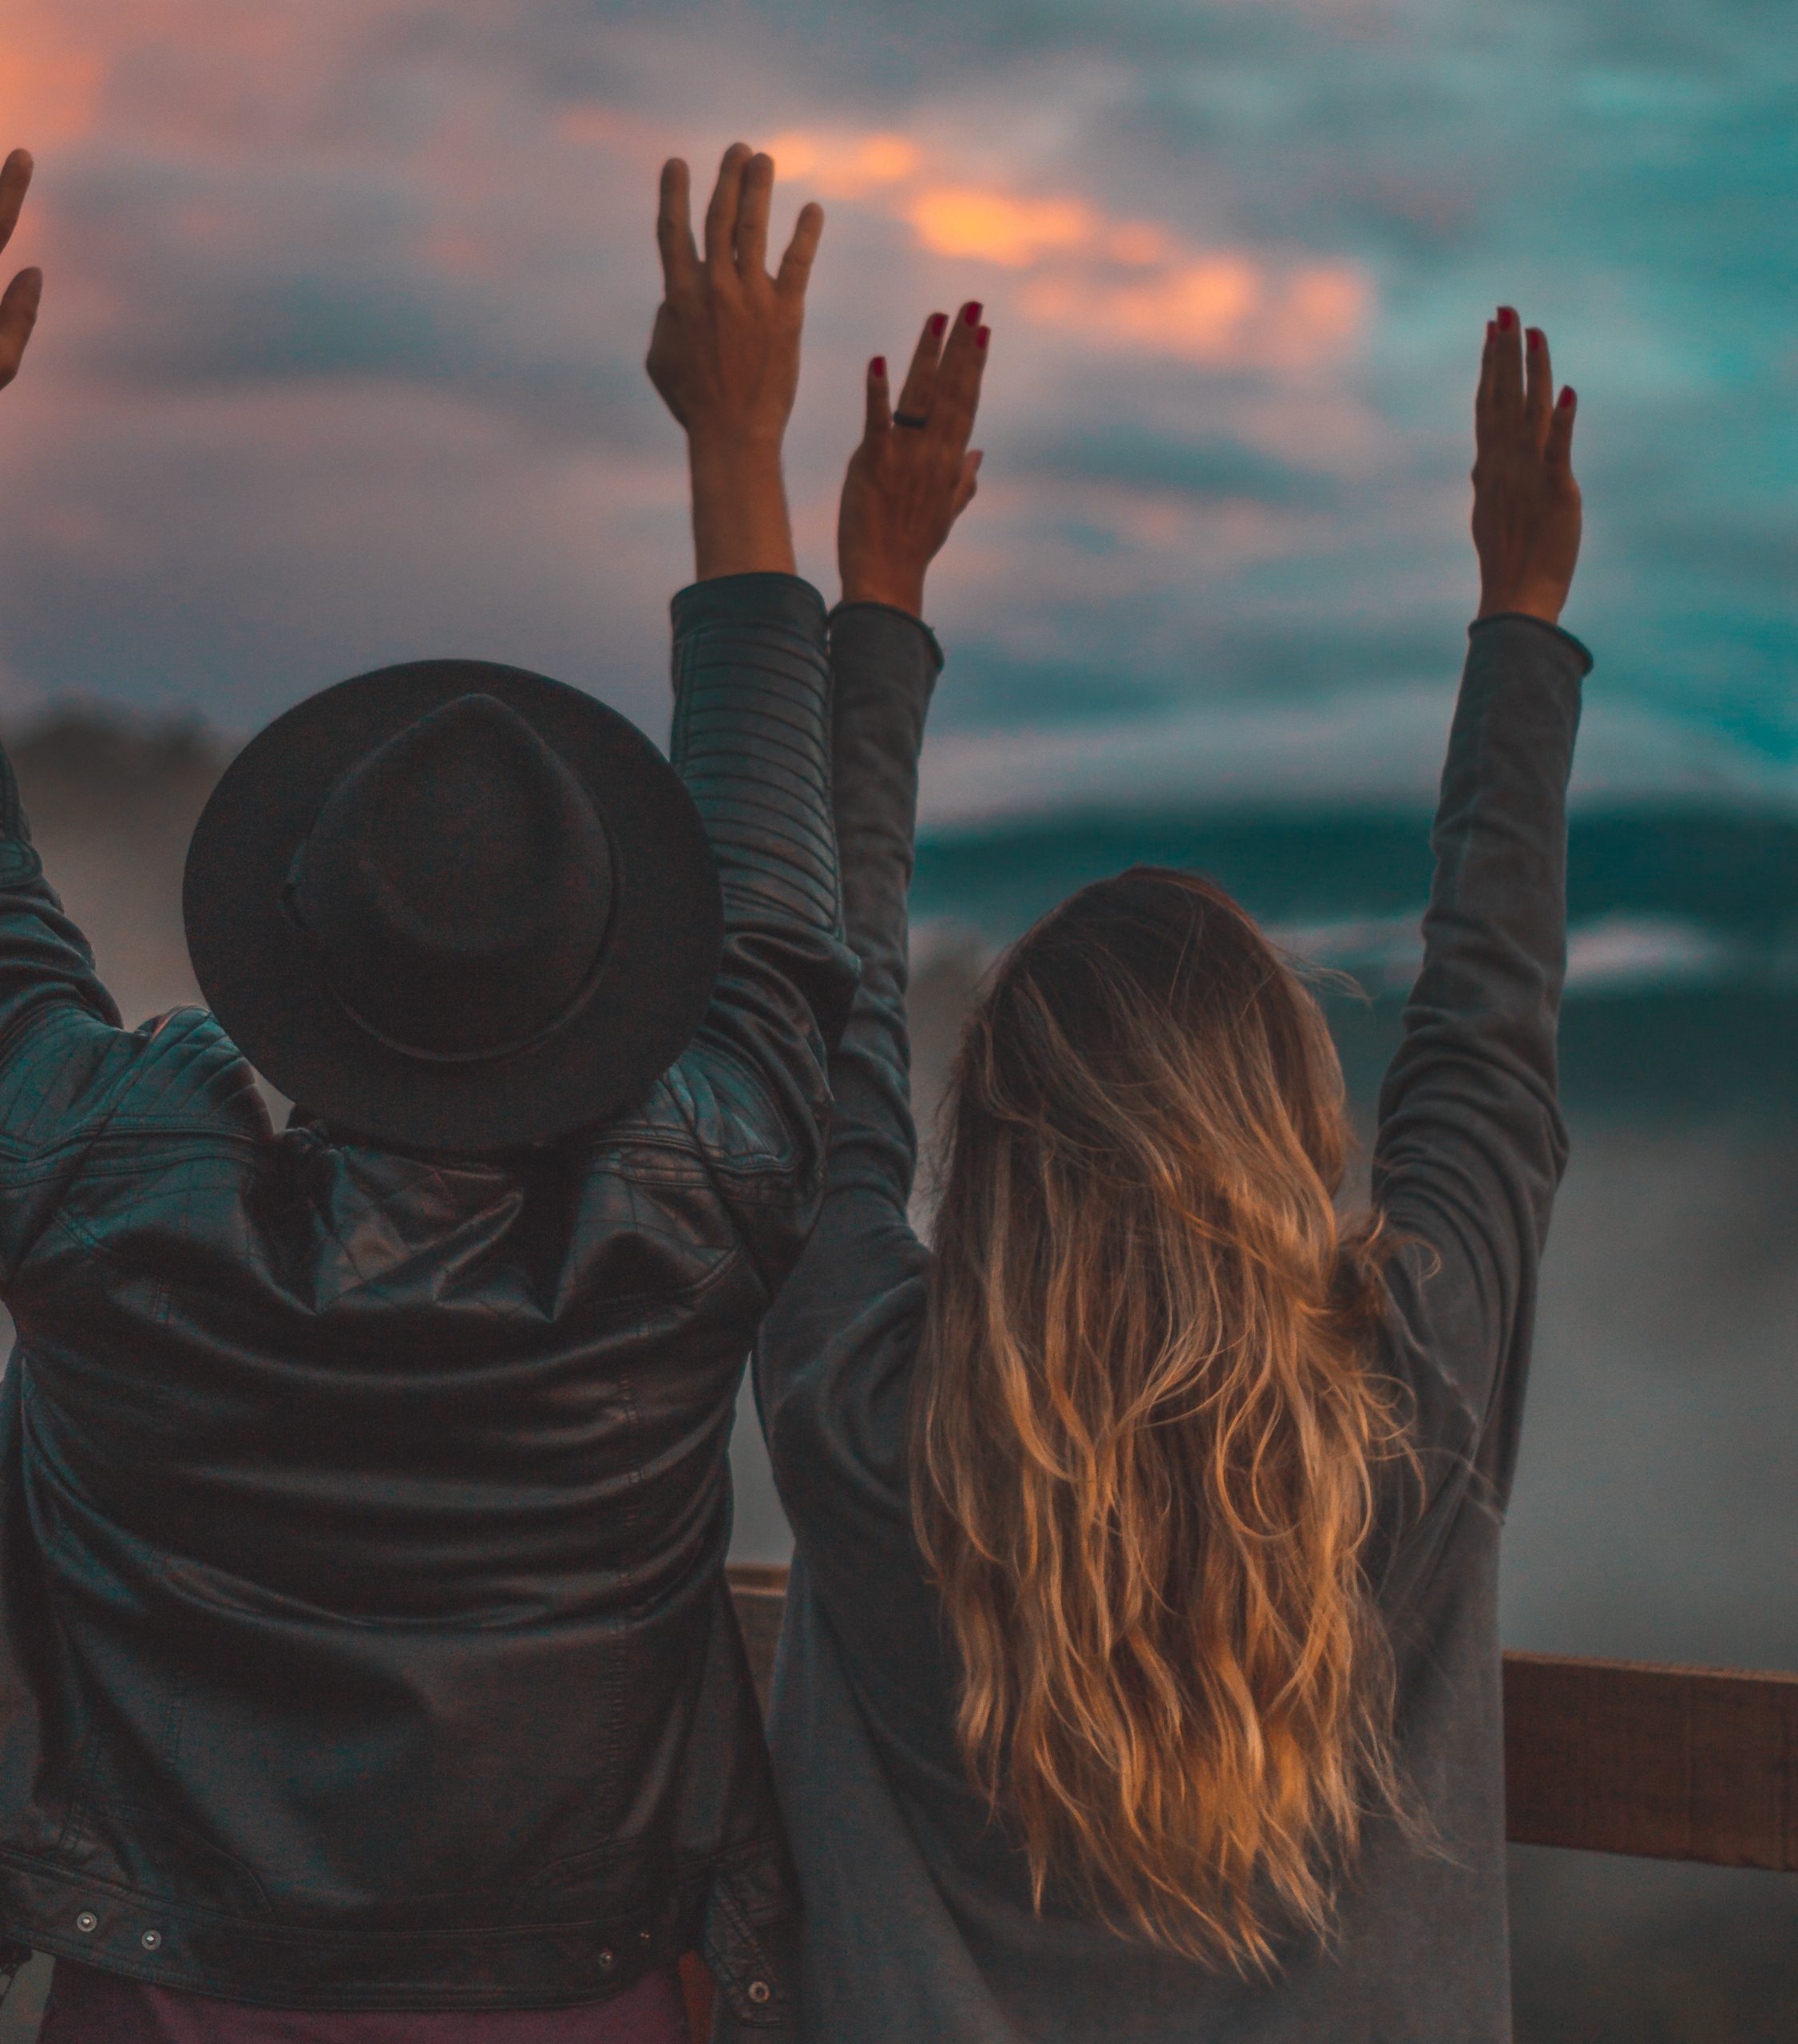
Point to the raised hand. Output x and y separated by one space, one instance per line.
18 306
724 357
1525 503
912 476
725 353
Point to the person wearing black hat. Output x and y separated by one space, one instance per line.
366 1667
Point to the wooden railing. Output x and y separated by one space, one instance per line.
1664 1763
1604 1756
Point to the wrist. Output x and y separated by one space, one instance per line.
896 589
734 448
740 520
1546 606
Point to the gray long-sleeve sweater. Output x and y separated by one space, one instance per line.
919 1927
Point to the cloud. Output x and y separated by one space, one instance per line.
1216 467
346 303
1119 283
846 166
1223 311
994 227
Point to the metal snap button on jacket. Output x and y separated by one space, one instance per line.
87 1921
150 1940
759 1992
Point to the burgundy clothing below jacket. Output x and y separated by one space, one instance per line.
87 2006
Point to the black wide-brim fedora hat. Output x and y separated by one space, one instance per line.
285 928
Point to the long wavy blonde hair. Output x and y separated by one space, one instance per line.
1148 1433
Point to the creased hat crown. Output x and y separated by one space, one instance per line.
457 884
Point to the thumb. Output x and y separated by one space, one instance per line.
970 482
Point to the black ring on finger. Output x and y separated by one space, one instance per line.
910 419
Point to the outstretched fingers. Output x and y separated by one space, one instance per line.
913 474
1538 381
1527 523
15 181
957 395
1558 448
754 200
18 305
801 251
1482 396
721 215
18 314
674 226
879 415
1507 366
920 386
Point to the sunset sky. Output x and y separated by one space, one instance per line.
340 356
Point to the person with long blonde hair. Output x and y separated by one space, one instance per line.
1140 1673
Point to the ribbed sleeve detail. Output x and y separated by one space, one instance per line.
751 739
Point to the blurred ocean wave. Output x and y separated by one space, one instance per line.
1612 955
1333 879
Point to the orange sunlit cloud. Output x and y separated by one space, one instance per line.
1129 283
992 226
48 90
1223 311
845 166
594 124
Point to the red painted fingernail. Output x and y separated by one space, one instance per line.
877 366
1567 398
938 322
972 314
1533 335
983 337
1507 318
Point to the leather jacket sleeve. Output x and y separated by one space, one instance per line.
751 738
58 1034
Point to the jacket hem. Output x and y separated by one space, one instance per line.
264 1965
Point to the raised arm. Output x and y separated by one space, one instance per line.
1471 1145
751 731
57 1021
835 1349
909 479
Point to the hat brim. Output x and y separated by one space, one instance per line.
260 978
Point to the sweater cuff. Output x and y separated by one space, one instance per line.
1513 618
755 599
871 624
884 665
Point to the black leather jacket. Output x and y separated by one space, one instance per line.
363 1637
